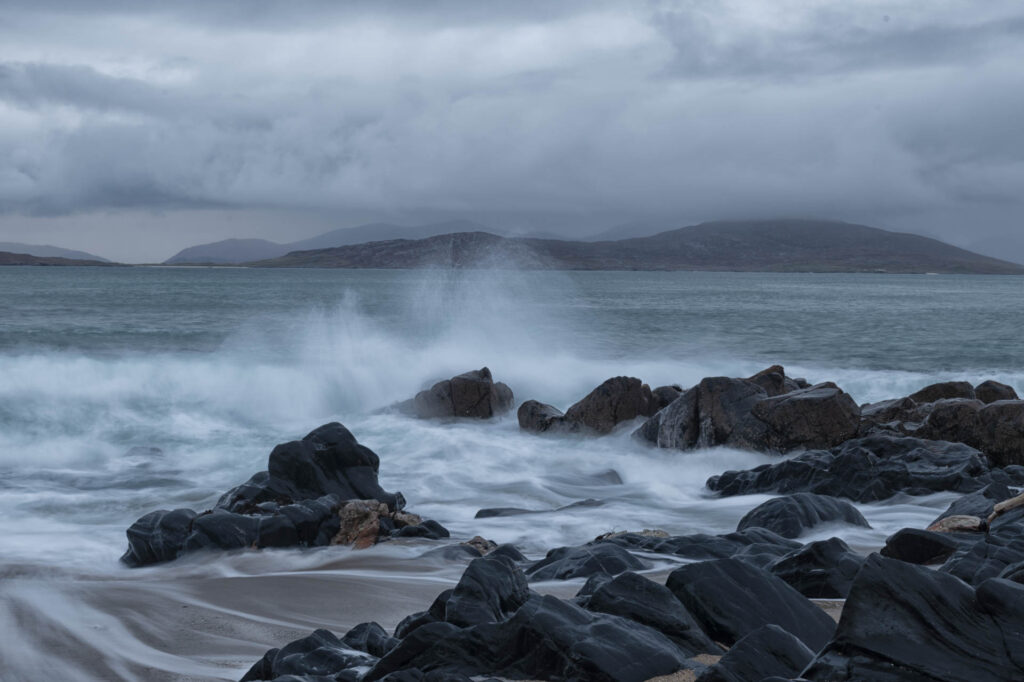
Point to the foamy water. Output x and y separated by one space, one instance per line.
214 367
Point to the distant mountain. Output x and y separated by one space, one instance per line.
638 228
766 245
48 251
8 258
233 251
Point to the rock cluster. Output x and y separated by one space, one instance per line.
321 490
470 395
617 400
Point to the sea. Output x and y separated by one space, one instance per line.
129 389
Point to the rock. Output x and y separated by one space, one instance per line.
868 469
617 400
665 395
997 428
1005 506
481 545
958 524
765 652
538 417
943 391
904 622
644 601
774 381
319 491
730 599
888 412
758 546
791 516
917 546
821 416
819 570
675 426
472 395
515 511
321 653
980 558
979 503
565 563
991 391
369 638
491 589
435 613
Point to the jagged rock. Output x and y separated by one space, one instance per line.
943 391
793 515
917 546
990 391
564 563
616 400
731 598
758 546
318 491
538 417
819 570
870 469
980 558
473 394
903 622
764 652
774 381
644 601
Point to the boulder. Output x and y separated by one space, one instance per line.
793 515
765 652
538 417
564 563
997 429
731 598
617 400
943 391
904 622
891 413
472 395
644 601
821 416
665 395
991 391
819 570
774 381
319 654
983 556
917 546
491 589
757 546
979 503
369 638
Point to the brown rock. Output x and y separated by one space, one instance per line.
473 394
1006 505
360 523
958 524
539 417
774 381
482 545
991 391
943 391
616 400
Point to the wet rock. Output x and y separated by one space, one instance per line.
819 570
321 653
943 391
774 381
665 395
539 417
546 638
888 412
997 428
731 598
616 400
644 601
491 589
904 622
869 469
821 416
765 652
979 503
917 546
318 491
793 515
990 391
959 523
435 613
986 557
1004 507
565 563
757 546
481 545
369 638
515 511
472 395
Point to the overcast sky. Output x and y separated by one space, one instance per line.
134 129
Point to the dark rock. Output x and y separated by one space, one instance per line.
917 546
997 428
539 417
617 400
546 639
943 391
429 529
888 413
665 395
765 652
904 622
491 589
675 426
731 598
515 511
369 638
774 381
978 503
158 536
791 516
564 563
819 570
1014 572
991 391
473 394
509 551
867 470
321 653
644 601
821 416
988 556
758 546
434 614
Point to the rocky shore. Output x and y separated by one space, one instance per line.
945 602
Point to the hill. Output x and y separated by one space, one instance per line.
46 251
233 251
8 258
768 245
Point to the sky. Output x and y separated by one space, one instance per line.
133 129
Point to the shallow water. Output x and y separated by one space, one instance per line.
215 366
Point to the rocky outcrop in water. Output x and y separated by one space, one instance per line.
793 515
617 400
321 490
471 395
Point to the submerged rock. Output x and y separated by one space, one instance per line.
538 417
793 515
758 546
473 394
319 491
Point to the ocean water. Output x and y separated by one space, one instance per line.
124 390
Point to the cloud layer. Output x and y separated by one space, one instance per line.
904 114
